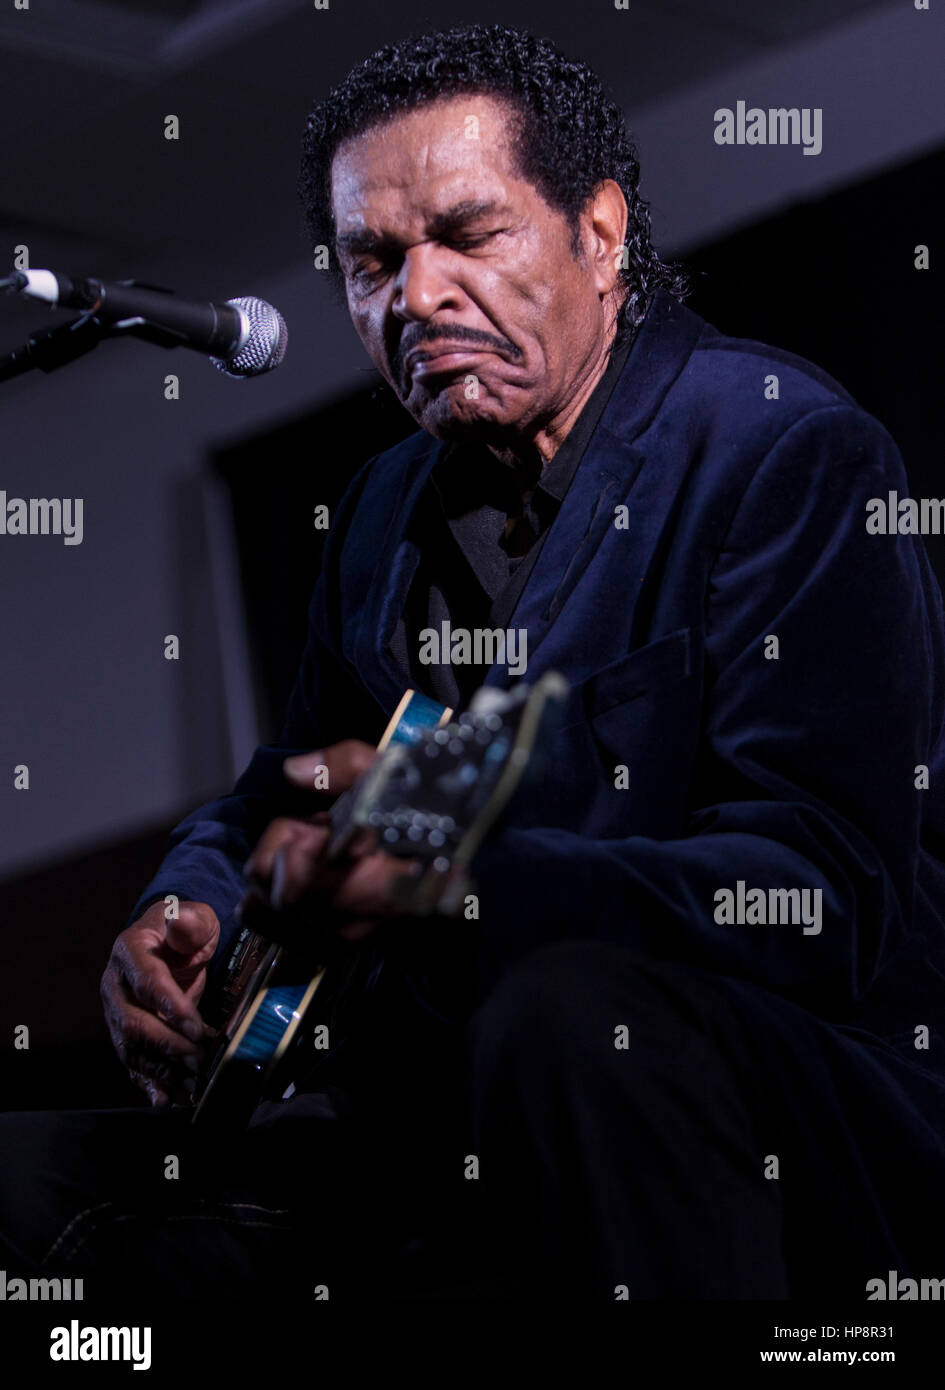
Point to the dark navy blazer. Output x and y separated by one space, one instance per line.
745 519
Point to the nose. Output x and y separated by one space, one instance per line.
424 285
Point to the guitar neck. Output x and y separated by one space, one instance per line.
414 713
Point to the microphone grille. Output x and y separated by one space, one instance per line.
265 343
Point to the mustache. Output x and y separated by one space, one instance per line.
416 336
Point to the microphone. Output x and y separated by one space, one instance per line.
243 337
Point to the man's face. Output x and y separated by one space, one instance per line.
461 280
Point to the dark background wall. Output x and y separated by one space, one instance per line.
197 511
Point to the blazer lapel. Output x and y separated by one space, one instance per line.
611 472
586 514
381 669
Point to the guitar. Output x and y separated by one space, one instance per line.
433 793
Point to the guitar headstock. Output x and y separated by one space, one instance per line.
435 799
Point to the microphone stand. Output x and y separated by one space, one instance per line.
50 348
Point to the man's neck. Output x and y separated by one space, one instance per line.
528 457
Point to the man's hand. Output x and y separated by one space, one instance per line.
289 871
150 988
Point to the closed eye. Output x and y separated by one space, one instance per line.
469 243
365 276
370 272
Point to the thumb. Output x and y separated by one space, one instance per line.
303 770
194 931
332 769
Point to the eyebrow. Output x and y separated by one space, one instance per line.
467 211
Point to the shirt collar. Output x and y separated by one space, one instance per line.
556 476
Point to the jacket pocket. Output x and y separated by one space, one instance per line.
645 671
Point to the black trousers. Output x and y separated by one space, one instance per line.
599 1125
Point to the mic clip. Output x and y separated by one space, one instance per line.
50 348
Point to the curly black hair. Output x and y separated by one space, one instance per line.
567 137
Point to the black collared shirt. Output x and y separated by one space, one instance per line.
479 541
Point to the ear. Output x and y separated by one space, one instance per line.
604 228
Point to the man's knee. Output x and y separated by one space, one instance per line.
60 1163
595 1000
